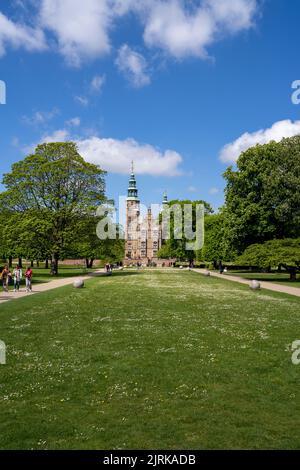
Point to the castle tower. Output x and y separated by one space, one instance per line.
143 237
165 202
162 228
133 241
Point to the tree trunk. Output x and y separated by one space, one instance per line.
54 264
56 259
32 264
10 260
20 262
89 263
293 275
47 264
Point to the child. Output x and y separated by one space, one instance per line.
28 277
17 278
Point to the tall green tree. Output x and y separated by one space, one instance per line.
86 244
274 254
263 194
177 248
214 248
57 186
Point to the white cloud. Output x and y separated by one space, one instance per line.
19 36
234 15
213 191
115 156
133 65
82 100
177 31
81 31
81 28
60 135
74 122
192 189
97 83
186 29
231 152
40 117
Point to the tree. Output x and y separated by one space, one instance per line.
86 244
214 248
274 253
6 251
55 185
176 248
26 235
263 195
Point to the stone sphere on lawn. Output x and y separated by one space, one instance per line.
254 285
78 284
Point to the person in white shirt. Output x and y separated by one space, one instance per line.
17 278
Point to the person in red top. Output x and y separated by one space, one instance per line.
28 277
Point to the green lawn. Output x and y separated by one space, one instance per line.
150 360
277 278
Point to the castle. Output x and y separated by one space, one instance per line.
143 236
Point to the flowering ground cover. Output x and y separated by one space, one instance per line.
152 360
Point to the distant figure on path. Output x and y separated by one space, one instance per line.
5 276
221 268
17 278
28 277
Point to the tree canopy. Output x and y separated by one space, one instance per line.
274 254
263 195
48 196
177 248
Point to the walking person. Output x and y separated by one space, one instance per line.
28 277
5 277
221 267
17 278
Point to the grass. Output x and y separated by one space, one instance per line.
151 360
277 278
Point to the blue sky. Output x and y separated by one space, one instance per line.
168 83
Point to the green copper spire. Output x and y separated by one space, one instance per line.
165 199
132 189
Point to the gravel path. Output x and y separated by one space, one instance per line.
46 286
264 285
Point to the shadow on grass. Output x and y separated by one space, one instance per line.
122 273
266 277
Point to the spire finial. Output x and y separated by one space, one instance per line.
132 166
